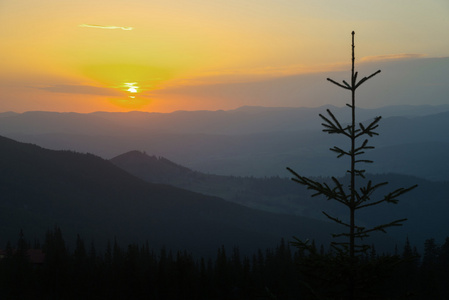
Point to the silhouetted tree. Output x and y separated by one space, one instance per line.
356 195
443 266
56 263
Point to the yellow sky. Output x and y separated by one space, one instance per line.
87 55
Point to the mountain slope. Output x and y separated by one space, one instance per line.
273 194
151 168
282 195
85 194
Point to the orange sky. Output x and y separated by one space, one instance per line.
115 55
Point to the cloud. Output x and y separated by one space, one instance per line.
81 89
229 76
105 27
399 56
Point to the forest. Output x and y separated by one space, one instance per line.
137 271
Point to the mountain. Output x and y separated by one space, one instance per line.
153 169
250 141
85 194
273 194
243 120
425 207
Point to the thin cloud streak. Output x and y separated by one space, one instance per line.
230 76
81 89
105 27
392 57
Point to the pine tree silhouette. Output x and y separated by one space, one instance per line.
358 194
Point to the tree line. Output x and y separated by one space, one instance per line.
283 272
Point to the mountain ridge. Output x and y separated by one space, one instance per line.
236 144
84 194
282 195
212 122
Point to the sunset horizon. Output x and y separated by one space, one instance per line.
85 57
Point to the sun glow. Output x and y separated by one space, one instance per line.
88 55
134 100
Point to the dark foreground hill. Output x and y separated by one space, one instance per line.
82 193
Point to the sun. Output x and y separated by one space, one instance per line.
132 87
132 90
133 101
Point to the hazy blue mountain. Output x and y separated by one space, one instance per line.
273 194
250 141
85 194
43 122
154 169
425 207
244 120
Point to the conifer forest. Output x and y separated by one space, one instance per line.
136 271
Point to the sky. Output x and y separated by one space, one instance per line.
163 56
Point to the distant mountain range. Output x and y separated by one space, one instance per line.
243 120
87 195
249 141
425 207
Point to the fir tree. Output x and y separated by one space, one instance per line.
358 193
